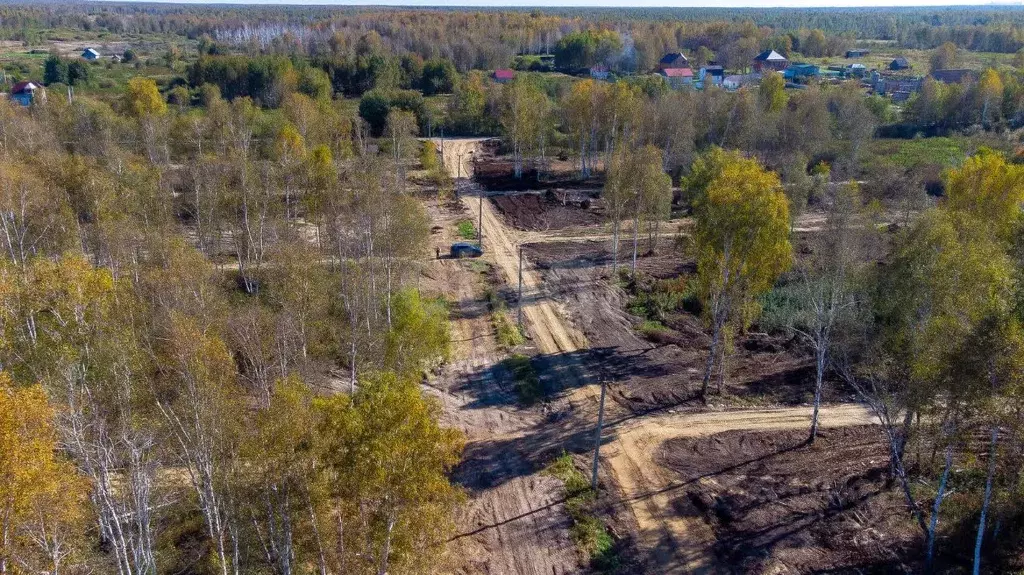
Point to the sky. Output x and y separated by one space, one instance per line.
625 3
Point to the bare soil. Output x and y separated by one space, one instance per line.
514 521
580 334
554 211
777 505
666 369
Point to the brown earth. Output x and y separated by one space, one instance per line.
538 212
665 370
777 505
515 520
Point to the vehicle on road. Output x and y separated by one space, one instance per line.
466 250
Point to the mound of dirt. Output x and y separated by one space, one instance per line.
778 505
534 212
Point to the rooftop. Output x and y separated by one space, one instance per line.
770 56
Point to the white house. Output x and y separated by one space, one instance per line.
90 54
735 82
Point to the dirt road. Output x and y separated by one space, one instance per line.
676 543
515 522
545 322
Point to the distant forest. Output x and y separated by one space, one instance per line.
486 38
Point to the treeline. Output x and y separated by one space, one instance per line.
488 39
210 346
789 131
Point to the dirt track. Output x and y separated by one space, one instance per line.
515 522
680 544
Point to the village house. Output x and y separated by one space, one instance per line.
599 72
90 54
673 60
801 71
503 75
677 77
953 76
711 76
770 60
27 92
899 63
899 88
856 70
857 53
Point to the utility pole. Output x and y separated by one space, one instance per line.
519 301
597 437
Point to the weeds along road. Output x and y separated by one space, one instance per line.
518 525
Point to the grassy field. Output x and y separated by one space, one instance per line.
947 152
882 54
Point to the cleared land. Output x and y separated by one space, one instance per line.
516 521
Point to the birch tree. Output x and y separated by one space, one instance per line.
522 114
197 402
741 241
838 253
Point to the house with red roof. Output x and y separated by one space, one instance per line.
677 77
26 92
503 75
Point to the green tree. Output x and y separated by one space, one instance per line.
771 93
78 73
429 158
586 48
990 94
636 187
945 57
419 335
467 105
439 76
387 462
55 70
524 110
814 44
742 244
314 83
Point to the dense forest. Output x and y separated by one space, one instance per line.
212 334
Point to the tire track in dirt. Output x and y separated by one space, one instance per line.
520 526
551 333
678 544
514 522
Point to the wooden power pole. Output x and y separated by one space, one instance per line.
597 437
519 301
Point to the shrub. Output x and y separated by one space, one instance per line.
588 532
507 332
467 230
527 384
